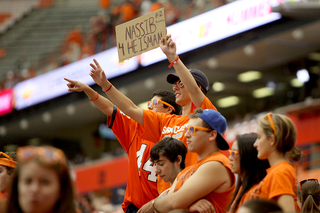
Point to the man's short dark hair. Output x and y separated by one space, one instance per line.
169 148
170 98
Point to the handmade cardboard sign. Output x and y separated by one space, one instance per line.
140 35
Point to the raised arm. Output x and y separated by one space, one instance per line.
169 49
119 99
103 104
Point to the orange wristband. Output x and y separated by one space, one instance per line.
175 61
107 89
96 98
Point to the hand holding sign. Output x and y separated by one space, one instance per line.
168 47
140 35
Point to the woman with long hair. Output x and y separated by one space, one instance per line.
42 182
250 170
276 142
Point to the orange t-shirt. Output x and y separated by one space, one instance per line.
160 125
281 179
221 200
142 180
245 197
155 6
127 12
104 4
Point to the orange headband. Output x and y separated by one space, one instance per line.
8 161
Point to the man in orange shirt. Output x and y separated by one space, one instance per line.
211 177
142 181
190 87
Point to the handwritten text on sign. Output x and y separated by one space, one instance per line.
140 35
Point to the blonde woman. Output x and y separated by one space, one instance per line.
276 143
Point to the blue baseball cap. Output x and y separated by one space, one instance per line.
217 122
199 76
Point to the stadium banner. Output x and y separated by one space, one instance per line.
6 101
215 25
100 175
51 84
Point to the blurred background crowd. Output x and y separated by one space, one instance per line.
74 35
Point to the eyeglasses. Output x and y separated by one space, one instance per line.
7 160
271 122
178 84
155 103
193 129
233 154
305 180
47 155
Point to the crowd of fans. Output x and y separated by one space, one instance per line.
81 43
271 187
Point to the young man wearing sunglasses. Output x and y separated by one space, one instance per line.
190 88
211 177
7 167
142 181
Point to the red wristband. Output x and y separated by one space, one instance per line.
175 61
107 89
96 98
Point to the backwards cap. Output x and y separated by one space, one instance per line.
217 122
199 76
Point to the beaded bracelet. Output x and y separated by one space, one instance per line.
175 61
96 98
107 89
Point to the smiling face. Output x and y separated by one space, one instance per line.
38 188
167 170
182 95
263 144
235 163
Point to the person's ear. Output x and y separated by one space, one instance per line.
169 110
213 135
272 139
179 159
